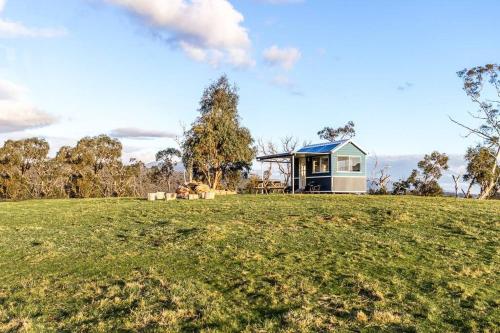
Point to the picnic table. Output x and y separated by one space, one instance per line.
269 186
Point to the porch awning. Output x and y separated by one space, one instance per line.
275 158
282 157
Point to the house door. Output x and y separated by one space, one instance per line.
302 173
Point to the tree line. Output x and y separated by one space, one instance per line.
91 169
218 151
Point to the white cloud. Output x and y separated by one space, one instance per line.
17 114
139 133
284 57
10 91
194 52
11 29
284 81
206 30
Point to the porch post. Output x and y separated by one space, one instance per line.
262 176
293 174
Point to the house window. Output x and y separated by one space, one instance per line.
349 164
343 164
355 163
320 164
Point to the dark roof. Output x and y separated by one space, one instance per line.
275 156
321 148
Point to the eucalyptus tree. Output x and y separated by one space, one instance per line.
166 164
479 171
424 179
93 166
340 133
482 85
22 167
216 143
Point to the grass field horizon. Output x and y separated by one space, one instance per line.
250 263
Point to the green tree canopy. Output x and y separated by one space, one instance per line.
482 85
479 171
166 164
424 180
340 133
216 142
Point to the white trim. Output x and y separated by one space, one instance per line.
345 143
315 177
349 176
349 156
302 172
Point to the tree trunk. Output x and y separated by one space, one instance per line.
494 178
217 177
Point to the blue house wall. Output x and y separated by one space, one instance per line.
323 179
348 150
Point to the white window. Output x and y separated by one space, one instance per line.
320 164
343 164
355 163
349 164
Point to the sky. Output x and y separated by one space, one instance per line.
136 69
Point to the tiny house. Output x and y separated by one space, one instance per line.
331 167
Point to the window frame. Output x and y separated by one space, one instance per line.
320 159
349 164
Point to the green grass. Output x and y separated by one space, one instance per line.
250 263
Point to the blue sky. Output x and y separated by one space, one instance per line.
84 67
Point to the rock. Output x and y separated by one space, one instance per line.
182 192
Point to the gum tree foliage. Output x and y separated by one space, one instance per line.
479 171
341 133
216 144
92 168
424 180
166 164
22 168
482 85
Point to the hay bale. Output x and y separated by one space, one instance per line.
160 195
192 197
170 196
207 195
151 196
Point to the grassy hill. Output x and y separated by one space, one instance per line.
250 263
